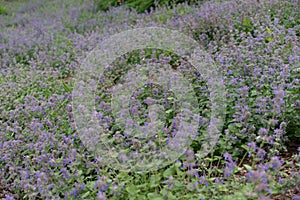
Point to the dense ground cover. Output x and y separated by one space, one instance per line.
139 5
255 45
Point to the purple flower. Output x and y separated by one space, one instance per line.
74 193
227 156
264 198
100 196
263 131
202 180
217 180
252 146
190 155
275 162
261 153
256 176
230 165
276 20
296 197
261 187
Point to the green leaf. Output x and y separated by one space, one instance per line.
212 179
85 195
223 188
79 172
269 30
132 189
245 147
177 164
231 128
144 185
238 125
169 111
169 172
269 39
170 98
248 167
90 184
247 22
154 196
67 88
154 181
253 92
237 169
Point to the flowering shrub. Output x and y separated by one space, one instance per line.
255 46
140 6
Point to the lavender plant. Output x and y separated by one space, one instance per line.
255 46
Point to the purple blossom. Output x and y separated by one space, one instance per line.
263 131
275 162
8 197
252 146
202 180
295 197
227 156
101 196
261 187
261 153
256 176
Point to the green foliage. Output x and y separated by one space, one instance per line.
3 11
139 5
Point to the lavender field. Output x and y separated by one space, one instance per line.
255 46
